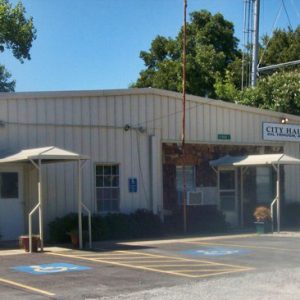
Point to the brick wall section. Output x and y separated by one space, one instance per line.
200 155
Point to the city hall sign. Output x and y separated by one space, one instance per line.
281 132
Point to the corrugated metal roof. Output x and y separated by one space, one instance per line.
142 91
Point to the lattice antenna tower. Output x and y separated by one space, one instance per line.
250 43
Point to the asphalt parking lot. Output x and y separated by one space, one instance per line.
156 269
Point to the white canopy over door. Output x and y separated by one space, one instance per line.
38 157
274 160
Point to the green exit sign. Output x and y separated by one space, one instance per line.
224 136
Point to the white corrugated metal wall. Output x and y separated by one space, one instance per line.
92 123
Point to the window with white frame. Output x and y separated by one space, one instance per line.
190 178
190 181
107 188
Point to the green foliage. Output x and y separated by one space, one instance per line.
225 89
282 46
146 224
211 47
16 34
59 228
6 85
279 92
139 224
291 214
206 219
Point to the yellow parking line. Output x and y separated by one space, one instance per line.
176 258
123 265
178 265
123 258
194 260
201 270
142 260
26 287
241 246
114 256
115 253
150 267
219 273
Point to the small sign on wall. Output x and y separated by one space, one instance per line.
223 136
132 184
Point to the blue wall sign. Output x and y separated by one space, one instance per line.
47 269
132 184
215 251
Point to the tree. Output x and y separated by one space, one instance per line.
225 88
16 34
282 46
279 92
6 85
211 48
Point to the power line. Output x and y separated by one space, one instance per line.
295 8
287 15
273 27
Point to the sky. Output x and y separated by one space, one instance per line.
95 44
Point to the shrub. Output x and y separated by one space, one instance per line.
59 228
145 224
291 214
139 224
206 219
117 226
200 219
262 214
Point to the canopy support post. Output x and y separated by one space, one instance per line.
79 205
278 197
40 196
39 206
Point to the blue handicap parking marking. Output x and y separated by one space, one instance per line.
53 268
215 251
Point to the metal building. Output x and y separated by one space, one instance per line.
132 137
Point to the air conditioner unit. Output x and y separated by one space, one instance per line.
195 198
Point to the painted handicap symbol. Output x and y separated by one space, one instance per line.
53 268
215 251
57 269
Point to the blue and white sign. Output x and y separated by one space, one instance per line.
132 184
47 269
281 132
215 251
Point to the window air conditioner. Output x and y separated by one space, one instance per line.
195 198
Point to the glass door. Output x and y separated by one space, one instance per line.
227 186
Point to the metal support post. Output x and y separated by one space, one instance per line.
40 196
79 205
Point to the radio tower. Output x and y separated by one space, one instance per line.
250 42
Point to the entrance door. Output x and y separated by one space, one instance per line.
228 195
11 204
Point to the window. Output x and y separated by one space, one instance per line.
190 181
227 190
107 188
264 185
9 185
189 178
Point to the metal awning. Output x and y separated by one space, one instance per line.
274 160
255 160
51 154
